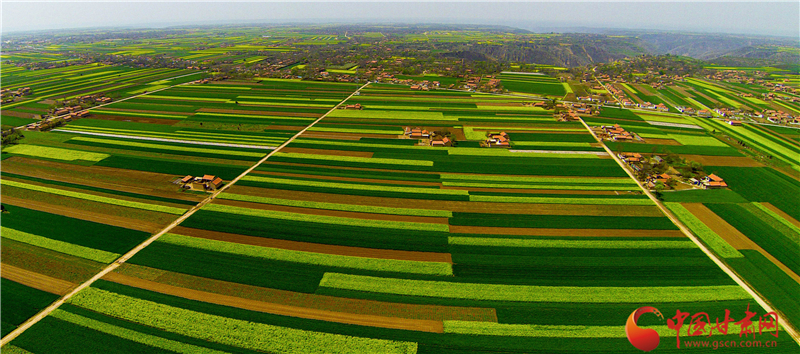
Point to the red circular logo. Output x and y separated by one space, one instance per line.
645 339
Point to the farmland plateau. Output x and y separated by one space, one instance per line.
530 210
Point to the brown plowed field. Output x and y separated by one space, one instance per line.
733 236
47 262
156 184
734 161
82 214
721 227
661 141
328 152
36 280
459 206
136 119
564 232
278 309
17 114
321 302
316 247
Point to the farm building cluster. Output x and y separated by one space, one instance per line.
10 95
616 133
429 138
638 163
500 139
208 183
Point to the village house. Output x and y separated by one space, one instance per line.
713 181
417 132
204 183
497 140
444 141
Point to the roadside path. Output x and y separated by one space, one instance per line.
42 314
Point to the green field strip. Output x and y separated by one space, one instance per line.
253 116
189 98
685 139
355 186
178 136
313 258
709 237
536 179
465 151
336 206
555 331
123 113
168 148
779 218
356 130
555 200
532 293
220 87
139 337
96 198
20 302
540 186
368 160
60 246
324 219
54 153
249 335
551 243
10 349
390 115
263 103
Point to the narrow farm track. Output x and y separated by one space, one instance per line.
46 311
789 328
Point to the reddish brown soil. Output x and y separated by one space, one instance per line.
717 224
17 114
564 232
732 236
136 119
83 214
735 161
328 152
155 184
661 141
36 280
279 309
47 262
316 247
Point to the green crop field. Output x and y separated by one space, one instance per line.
350 236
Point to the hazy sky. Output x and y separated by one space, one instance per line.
774 18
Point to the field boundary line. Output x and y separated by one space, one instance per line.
47 310
724 266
